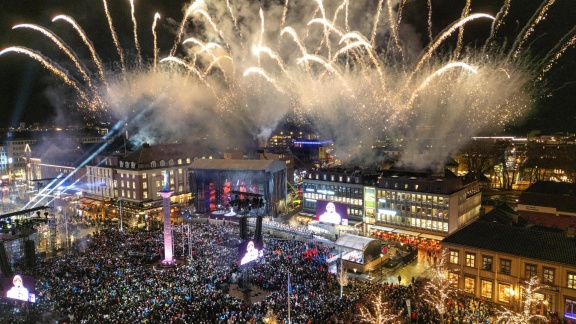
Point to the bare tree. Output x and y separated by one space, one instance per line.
480 156
270 317
343 279
441 286
530 297
377 311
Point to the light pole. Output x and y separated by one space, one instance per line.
103 215
381 275
354 286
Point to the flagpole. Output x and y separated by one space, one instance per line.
289 291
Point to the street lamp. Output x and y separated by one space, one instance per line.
354 286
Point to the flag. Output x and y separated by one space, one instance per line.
289 284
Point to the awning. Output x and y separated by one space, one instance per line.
89 201
432 237
400 231
382 228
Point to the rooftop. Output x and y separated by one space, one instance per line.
520 241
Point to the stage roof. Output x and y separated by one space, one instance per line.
354 242
238 165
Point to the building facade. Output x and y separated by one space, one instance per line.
337 185
549 203
425 202
494 261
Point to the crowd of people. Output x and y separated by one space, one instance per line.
105 284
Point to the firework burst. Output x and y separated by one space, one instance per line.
350 77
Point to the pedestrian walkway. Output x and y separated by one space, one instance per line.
418 268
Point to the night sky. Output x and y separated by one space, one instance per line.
24 83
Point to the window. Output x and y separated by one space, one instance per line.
153 164
471 260
469 284
530 270
504 292
179 161
162 163
570 308
187 160
486 289
144 175
548 275
170 162
145 194
454 257
453 280
144 185
505 266
133 165
571 280
487 263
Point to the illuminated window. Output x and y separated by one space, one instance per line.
570 308
144 176
454 257
530 270
487 263
571 280
145 195
453 280
504 292
548 275
505 266
144 185
486 289
469 285
471 260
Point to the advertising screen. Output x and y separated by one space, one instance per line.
20 287
331 212
249 251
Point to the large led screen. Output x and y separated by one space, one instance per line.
249 251
331 212
20 287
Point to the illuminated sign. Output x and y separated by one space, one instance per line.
387 212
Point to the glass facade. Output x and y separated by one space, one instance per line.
338 192
412 209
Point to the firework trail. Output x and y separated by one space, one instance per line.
225 85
